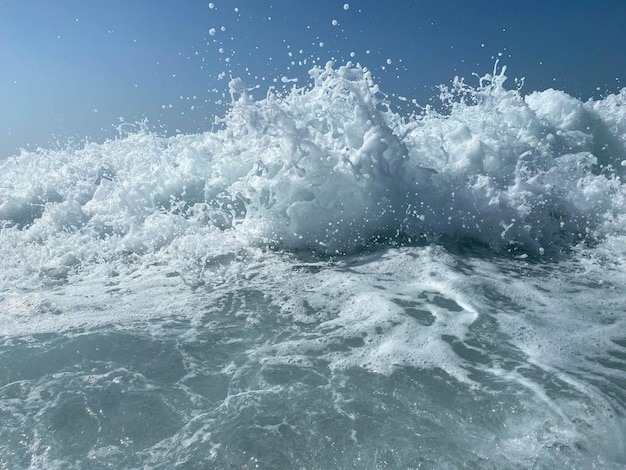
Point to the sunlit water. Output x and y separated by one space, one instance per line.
322 283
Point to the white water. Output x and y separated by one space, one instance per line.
322 282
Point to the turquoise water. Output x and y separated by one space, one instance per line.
320 282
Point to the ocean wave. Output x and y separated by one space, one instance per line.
328 169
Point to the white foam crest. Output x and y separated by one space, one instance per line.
328 168
515 179
326 163
337 170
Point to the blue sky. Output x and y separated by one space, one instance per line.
70 69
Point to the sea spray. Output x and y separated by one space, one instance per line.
322 282
327 168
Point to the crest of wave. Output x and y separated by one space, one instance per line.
335 169
328 168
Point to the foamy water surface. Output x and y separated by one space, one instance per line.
321 282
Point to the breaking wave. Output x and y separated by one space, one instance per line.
327 168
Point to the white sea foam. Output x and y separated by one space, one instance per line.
223 252
327 168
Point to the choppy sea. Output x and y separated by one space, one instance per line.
322 282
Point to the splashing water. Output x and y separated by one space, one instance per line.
332 169
322 282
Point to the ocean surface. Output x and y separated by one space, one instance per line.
323 282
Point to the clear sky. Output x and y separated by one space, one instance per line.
70 69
